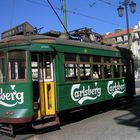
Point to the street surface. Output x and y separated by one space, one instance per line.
110 122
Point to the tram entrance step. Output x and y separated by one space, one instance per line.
46 122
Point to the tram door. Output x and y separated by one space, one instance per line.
43 83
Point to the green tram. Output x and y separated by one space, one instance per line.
41 76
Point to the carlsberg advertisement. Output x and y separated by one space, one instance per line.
81 93
12 97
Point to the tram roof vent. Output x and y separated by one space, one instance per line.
64 36
22 29
52 33
86 35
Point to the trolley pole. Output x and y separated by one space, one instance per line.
64 15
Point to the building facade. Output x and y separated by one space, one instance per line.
120 38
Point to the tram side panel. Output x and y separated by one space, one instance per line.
74 94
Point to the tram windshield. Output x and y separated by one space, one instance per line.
17 65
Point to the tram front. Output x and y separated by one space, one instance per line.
16 99
26 90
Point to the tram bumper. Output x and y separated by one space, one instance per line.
16 116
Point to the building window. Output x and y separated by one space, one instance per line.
119 39
114 39
125 37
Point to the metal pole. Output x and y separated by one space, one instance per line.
64 14
58 17
127 23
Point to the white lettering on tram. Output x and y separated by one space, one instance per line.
115 88
85 93
10 99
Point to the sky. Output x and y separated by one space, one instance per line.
100 15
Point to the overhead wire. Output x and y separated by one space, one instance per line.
38 3
57 16
110 4
95 18
78 13
93 3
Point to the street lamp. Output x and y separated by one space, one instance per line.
120 10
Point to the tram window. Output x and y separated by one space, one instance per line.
2 68
116 70
17 65
107 67
97 67
47 66
85 67
124 68
116 60
97 71
116 67
107 71
85 71
96 59
34 71
84 58
107 60
124 71
71 72
70 58
34 65
71 67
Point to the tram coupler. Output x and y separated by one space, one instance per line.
7 129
